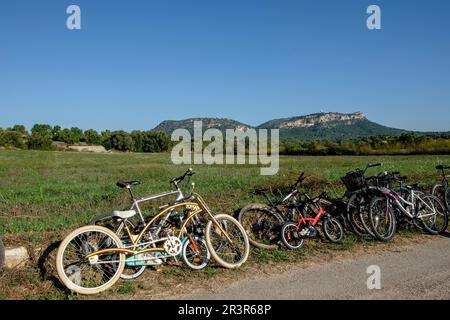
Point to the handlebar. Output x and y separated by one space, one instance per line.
371 165
188 173
299 179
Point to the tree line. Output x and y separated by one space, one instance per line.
406 143
46 137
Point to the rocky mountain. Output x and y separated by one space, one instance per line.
317 126
328 126
218 123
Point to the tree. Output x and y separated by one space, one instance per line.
44 130
92 137
155 141
121 140
77 135
20 128
106 139
138 137
41 137
56 133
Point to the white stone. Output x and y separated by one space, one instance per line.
16 257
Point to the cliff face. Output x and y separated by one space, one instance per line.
313 120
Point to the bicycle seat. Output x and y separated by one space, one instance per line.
441 167
123 214
127 183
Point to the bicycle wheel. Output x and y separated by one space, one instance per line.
227 254
439 191
118 226
2 254
333 230
291 237
355 206
89 276
195 253
261 225
447 199
382 218
432 214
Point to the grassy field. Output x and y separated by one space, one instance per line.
45 194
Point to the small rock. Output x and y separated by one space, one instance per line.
16 257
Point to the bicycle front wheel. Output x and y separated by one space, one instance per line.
261 225
89 276
195 253
291 236
229 254
357 206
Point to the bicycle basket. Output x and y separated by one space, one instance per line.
354 180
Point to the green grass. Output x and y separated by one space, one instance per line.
48 191
43 195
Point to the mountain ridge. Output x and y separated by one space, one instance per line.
316 126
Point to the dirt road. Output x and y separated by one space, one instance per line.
419 272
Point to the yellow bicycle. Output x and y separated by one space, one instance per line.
92 258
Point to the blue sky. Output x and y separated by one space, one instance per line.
136 63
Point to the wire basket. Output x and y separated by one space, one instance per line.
354 180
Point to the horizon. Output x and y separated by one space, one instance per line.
133 65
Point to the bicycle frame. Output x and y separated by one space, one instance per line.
196 207
302 220
402 204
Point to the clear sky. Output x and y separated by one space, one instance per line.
136 63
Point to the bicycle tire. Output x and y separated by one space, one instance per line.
376 216
447 199
327 223
286 231
214 249
265 212
60 256
353 218
443 212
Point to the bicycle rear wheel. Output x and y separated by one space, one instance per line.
447 199
333 230
382 218
432 214
261 225
228 254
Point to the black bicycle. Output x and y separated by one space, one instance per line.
360 191
263 222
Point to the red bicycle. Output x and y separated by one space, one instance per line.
310 214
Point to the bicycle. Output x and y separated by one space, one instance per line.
415 205
310 213
191 243
442 189
263 222
92 258
359 191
